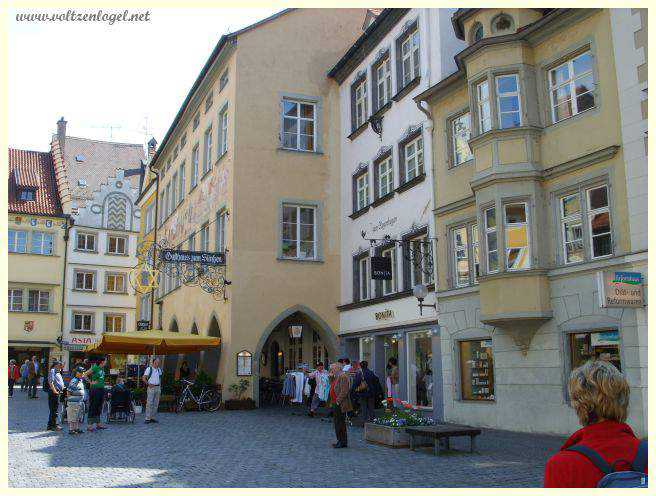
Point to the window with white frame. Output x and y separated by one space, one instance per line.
221 231
461 256
475 253
362 191
114 322
421 269
223 131
571 225
150 218
207 150
517 236
299 232
144 307
483 104
82 322
192 243
116 245
15 300
194 166
508 103
299 125
413 159
42 243
460 134
383 83
115 283
571 87
17 241
181 183
174 191
85 280
363 279
167 200
26 194
38 301
385 177
360 101
86 242
599 222
390 285
491 241
410 57
205 237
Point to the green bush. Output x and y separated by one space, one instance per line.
239 389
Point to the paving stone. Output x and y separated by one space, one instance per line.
258 448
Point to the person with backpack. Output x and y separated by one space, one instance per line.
605 452
153 379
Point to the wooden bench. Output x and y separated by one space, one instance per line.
443 431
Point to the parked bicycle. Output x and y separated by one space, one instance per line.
208 399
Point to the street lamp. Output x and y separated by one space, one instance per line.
420 291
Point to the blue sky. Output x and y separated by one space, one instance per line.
131 77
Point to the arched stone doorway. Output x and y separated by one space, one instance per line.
212 356
171 361
193 359
317 343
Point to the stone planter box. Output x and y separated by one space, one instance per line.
394 437
245 404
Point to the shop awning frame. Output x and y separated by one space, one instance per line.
152 342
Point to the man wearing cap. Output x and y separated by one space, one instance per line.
152 378
75 402
55 389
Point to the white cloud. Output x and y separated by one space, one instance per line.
127 75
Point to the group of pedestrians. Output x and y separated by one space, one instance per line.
27 375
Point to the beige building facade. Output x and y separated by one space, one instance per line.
249 168
532 217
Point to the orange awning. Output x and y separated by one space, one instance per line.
152 342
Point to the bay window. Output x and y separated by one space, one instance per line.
571 87
491 240
571 229
483 107
508 104
517 236
465 255
599 222
460 134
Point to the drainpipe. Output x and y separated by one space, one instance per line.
152 291
67 227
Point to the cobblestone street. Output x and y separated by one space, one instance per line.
260 448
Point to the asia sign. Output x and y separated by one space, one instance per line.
194 257
620 289
381 268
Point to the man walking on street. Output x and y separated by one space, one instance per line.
341 401
23 374
32 377
55 389
153 379
13 376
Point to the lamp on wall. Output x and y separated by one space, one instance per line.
420 291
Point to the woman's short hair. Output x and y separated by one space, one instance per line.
597 391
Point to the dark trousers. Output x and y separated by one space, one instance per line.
96 400
53 404
31 389
367 405
23 383
339 420
11 387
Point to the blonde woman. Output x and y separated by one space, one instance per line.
599 394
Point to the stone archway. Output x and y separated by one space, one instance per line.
171 361
328 338
212 357
193 359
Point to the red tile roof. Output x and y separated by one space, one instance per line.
33 170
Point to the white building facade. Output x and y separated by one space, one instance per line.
101 253
386 196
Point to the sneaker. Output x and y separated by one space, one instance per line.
79 431
101 427
154 421
148 421
75 432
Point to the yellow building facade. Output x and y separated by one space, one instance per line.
531 214
250 168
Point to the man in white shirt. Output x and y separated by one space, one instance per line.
347 365
153 379
55 389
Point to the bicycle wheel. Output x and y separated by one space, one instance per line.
212 401
180 404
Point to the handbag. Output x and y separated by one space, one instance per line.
363 387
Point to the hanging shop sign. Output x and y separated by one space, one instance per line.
381 268
620 289
196 257
143 325
244 363
386 314
295 331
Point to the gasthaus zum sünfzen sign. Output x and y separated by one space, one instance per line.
620 289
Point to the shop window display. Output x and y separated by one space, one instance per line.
391 345
476 367
595 345
420 373
366 345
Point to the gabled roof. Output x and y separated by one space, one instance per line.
89 163
33 170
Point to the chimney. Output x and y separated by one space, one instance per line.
61 134
152 148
